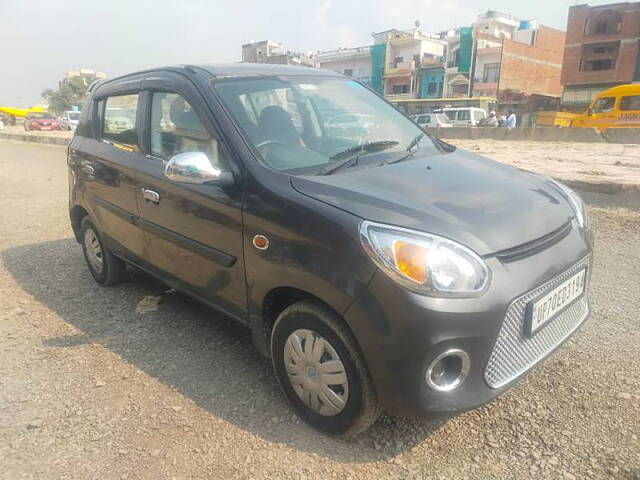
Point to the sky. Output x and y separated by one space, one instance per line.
40 40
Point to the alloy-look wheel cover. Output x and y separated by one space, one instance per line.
94 250
316 372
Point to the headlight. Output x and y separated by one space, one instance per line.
576 203
425 263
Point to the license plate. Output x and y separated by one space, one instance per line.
544 309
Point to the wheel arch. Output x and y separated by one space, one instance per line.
76 214
275 302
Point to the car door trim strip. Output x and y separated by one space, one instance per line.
221 258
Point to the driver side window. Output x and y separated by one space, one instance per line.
604 105
176 128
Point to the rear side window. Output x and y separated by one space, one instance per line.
464 115
119 120
630 103
176 128
425 119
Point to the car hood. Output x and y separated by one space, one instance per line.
483 204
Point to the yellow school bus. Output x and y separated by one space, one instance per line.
617 107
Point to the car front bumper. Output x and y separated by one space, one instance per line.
401 332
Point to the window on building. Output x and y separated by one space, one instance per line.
491 72
397 89
606 22
606 64
604 105
432 88
599 50
119 120
630 103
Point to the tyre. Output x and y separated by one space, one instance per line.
321 370
106 268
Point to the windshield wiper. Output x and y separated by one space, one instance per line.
357 151
409 150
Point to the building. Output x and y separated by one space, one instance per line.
87 74
412 63
457 68
602 50
269 51
352 62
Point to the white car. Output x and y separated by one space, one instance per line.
69 119
351 125
465 116
432 120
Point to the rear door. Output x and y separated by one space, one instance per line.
106 165
193 232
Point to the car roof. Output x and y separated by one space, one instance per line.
224 70
263 69
621 90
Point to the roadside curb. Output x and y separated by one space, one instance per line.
605 194
42 139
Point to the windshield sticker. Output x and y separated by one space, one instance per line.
307 86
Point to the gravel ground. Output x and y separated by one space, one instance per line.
91 389
587 162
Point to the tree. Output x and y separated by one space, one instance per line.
71 92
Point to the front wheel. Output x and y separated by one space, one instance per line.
321 370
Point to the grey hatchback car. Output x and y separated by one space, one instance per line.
378 268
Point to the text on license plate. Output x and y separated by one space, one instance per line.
545 308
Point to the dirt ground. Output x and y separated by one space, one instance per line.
90 389
588 162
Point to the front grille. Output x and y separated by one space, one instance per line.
534 246
514 353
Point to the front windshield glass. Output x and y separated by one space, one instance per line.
306 125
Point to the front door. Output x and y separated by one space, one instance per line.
193 232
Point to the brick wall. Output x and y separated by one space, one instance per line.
533 69
579 20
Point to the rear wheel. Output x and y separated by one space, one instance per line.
106 268
321 370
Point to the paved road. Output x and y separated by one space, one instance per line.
90 389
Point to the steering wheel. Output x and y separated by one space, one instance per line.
270 142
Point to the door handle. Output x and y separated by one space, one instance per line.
151 196
89 169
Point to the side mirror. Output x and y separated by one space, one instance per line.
195 168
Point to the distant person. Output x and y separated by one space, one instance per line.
492 120
511 120
1 124
502 120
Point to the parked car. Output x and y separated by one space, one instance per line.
41 121
119 120
69 119
617 107
398 274
465 116
432 120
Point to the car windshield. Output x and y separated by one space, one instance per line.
74 115
306 125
